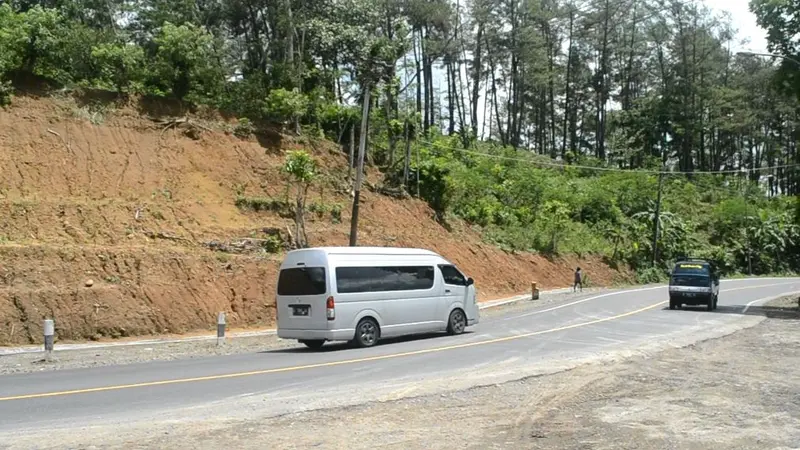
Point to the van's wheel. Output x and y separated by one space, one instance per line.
711 303
457 322
716 300
315 344
367 333
672 305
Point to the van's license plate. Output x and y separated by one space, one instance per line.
300 310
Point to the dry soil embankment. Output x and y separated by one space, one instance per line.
108 194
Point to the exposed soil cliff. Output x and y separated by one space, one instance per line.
115 224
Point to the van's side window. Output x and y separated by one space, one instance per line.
302 281
351 280
452 276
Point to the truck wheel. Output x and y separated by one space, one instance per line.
710 304
716 300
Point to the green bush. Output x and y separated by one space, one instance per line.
244 128
284 105
272 244
186 63
336 213
6 93
651 276
119 66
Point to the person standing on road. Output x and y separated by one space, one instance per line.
578 280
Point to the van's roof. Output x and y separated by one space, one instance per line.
369 251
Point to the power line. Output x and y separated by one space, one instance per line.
608 169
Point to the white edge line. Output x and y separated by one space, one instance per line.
607 294
768 299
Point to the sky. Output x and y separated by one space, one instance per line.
745 22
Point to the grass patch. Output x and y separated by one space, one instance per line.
94 112
244 129
272 244
320 210
263 204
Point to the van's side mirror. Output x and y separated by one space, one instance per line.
470 281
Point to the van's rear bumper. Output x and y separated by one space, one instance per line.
327 335
690 295
690 298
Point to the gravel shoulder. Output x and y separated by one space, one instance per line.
188 349
740 391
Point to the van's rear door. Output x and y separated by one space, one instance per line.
302 298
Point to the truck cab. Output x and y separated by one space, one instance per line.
693 282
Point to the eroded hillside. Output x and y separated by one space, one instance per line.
116 224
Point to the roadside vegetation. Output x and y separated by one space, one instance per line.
544 124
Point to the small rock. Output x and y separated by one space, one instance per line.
89 283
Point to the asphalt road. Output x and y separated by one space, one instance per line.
296 379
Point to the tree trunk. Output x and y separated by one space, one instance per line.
568 86
351 155
407 158
477 66
492 70
451 106
417 56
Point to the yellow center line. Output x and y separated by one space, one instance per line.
326 364
351 361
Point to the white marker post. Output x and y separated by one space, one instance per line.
49 332
220 328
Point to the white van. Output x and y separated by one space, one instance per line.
362 294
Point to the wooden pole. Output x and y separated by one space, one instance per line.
362 147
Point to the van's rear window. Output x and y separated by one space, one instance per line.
691 269
690 280
302 281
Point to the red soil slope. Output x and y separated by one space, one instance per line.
105 221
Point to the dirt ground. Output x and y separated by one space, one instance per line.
115 225
738 392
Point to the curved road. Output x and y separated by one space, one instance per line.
515 343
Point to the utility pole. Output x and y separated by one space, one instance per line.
362 148
745 186
747 227
657 216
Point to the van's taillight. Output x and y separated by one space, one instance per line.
330 308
